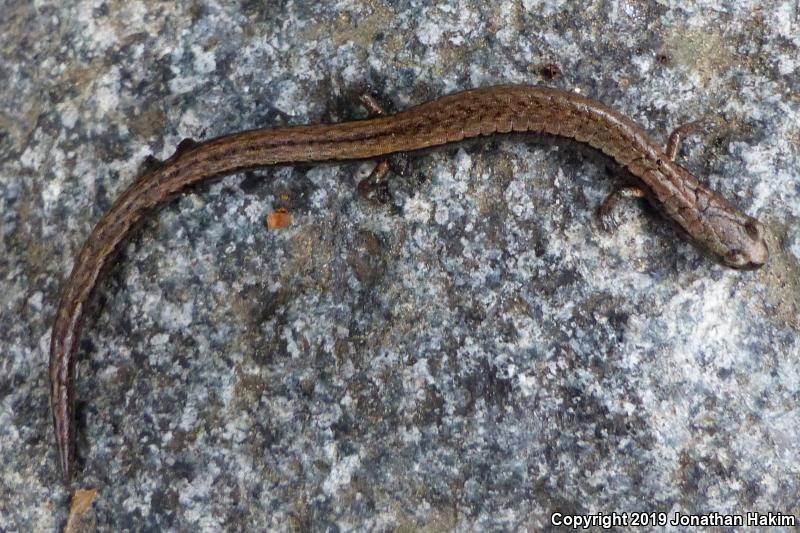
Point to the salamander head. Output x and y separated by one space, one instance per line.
731 236
742 243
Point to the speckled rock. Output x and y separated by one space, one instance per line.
476 354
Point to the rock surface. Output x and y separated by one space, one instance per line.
478 353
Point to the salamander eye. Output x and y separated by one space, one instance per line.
735 258
752 229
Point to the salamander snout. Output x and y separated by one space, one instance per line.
747 246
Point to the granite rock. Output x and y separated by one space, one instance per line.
475 354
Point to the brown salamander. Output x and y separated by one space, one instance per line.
731 236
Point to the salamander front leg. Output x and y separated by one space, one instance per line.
612 202
674 142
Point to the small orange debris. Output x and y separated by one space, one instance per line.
81 503
279 219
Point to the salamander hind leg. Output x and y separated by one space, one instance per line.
371 104
375 187
612 201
